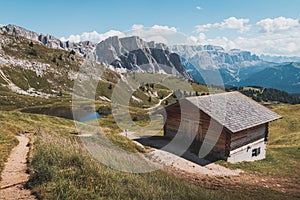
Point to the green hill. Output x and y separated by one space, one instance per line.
284 77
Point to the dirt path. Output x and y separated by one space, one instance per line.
14 176
188 162
160 101
191 164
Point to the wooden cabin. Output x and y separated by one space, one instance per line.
233 126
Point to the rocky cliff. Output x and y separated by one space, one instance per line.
84 49
135 54
233 65
209 56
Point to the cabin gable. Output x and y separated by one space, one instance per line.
193 120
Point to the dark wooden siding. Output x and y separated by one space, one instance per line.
193 117
247 136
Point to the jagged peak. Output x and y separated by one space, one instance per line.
84 49
14 29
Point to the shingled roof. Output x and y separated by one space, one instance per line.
234 110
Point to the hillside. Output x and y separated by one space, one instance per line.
283 77
267 95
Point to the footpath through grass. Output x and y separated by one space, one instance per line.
7 143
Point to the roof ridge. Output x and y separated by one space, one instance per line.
219 94
237 106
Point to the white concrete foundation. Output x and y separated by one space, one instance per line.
250 152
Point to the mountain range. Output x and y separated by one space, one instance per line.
280 59
237 68
208 60
199 63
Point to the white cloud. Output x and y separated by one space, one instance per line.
193 40
241 24
219 41
158 33
201 36
93 36
284 43
234 23
199 8
283 39
137 26
204 27
154 28
277 24
166 28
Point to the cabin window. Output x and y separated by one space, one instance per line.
255 152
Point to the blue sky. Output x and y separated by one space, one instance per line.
65 18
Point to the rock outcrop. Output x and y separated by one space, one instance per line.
233 65
209 56
84 49
135 54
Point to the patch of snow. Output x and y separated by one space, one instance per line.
104 98
85 135
72 75
136 99
38 67
155 94
118 70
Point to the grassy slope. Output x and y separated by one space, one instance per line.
25 79
286 131
62 169
63 173
62 61
30 123
13 101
